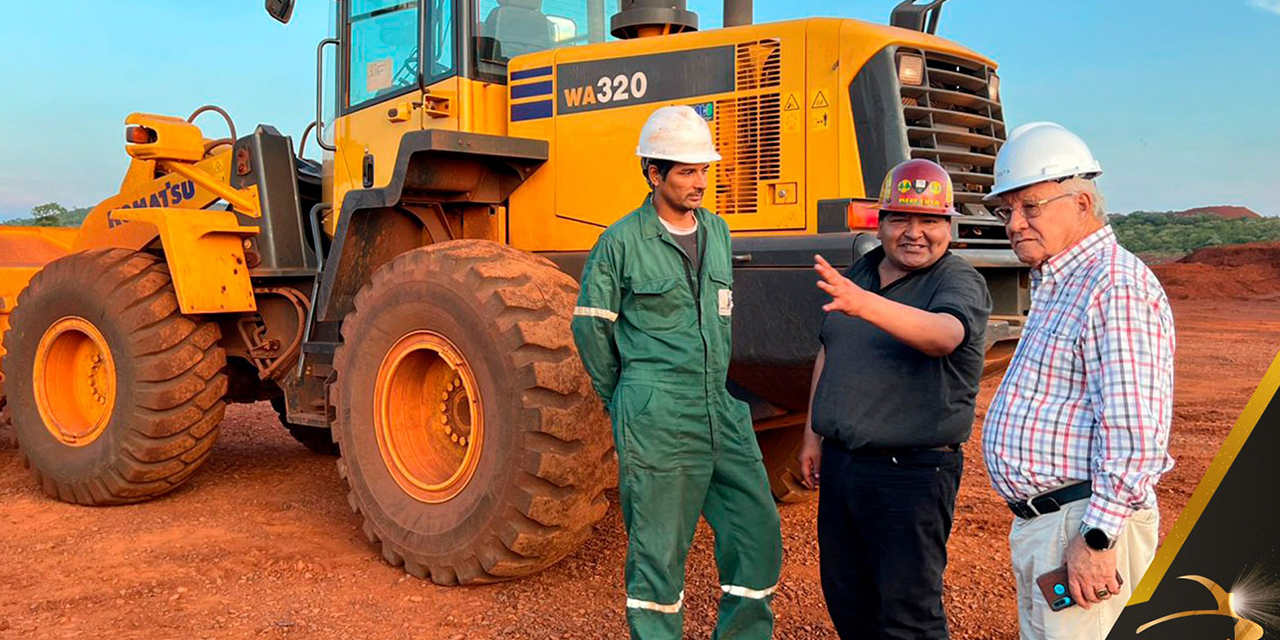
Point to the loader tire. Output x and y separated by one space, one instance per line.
316 439
470 437
115 395
781 450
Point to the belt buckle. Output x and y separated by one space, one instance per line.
1035 513
1057 505
1031 504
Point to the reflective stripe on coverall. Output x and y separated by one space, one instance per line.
658 356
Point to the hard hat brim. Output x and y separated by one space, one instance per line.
687 158
949 212
1015 185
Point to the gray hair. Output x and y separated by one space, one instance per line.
1082 185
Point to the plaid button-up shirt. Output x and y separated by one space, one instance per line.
1088 395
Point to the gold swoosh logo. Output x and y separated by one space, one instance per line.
1244 630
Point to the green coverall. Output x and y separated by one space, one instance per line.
658 356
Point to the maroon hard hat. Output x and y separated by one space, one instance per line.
917 186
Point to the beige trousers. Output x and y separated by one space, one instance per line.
1039 545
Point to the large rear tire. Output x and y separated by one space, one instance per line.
471 440
115 395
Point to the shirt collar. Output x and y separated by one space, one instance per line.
1081 253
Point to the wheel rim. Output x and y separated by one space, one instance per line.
75 381
428 417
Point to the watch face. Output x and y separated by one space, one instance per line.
1097 539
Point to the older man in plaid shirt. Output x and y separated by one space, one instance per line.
1078 433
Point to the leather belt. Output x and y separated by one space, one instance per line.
898 451
1050 501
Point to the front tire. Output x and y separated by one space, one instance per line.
471 440
115 396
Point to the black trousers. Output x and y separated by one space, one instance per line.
883 524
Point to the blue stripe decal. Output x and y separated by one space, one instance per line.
530 73
531 110
532 89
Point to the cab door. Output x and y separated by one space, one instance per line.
391 64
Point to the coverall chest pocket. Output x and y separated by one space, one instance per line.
661 304
722 290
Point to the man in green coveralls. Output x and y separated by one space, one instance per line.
652 326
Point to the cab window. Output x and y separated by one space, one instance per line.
382 50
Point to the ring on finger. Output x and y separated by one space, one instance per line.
1102 593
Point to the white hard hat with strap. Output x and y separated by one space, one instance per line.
1040 152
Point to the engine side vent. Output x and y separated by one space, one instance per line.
748 136
759 64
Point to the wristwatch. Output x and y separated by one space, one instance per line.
1096 539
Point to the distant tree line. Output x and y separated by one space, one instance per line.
1157 233
51 214
1140 232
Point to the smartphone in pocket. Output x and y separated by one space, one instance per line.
1054 587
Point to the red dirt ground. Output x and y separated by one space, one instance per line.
260 542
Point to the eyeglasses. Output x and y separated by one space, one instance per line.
1029 208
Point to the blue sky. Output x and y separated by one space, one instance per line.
1177 98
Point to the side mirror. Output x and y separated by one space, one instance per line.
281 10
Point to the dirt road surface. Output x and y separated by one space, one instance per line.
260 543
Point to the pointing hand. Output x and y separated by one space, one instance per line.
846 296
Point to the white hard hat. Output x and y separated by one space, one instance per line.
1040 152
677 134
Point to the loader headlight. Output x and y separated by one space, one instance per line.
910 69
139 135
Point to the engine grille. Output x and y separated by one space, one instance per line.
748 129
952 120
748 137
759 64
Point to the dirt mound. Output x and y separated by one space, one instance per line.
1238 255
1224 212
1233 271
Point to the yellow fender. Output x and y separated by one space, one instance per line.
205 254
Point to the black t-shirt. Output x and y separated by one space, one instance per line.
877 391
689 243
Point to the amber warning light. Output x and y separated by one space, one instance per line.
864 214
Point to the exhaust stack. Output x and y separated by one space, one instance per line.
738 13
647 18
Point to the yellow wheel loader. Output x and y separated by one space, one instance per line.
405 303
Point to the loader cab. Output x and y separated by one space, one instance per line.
412 65
390 48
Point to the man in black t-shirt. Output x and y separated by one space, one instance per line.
892 401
